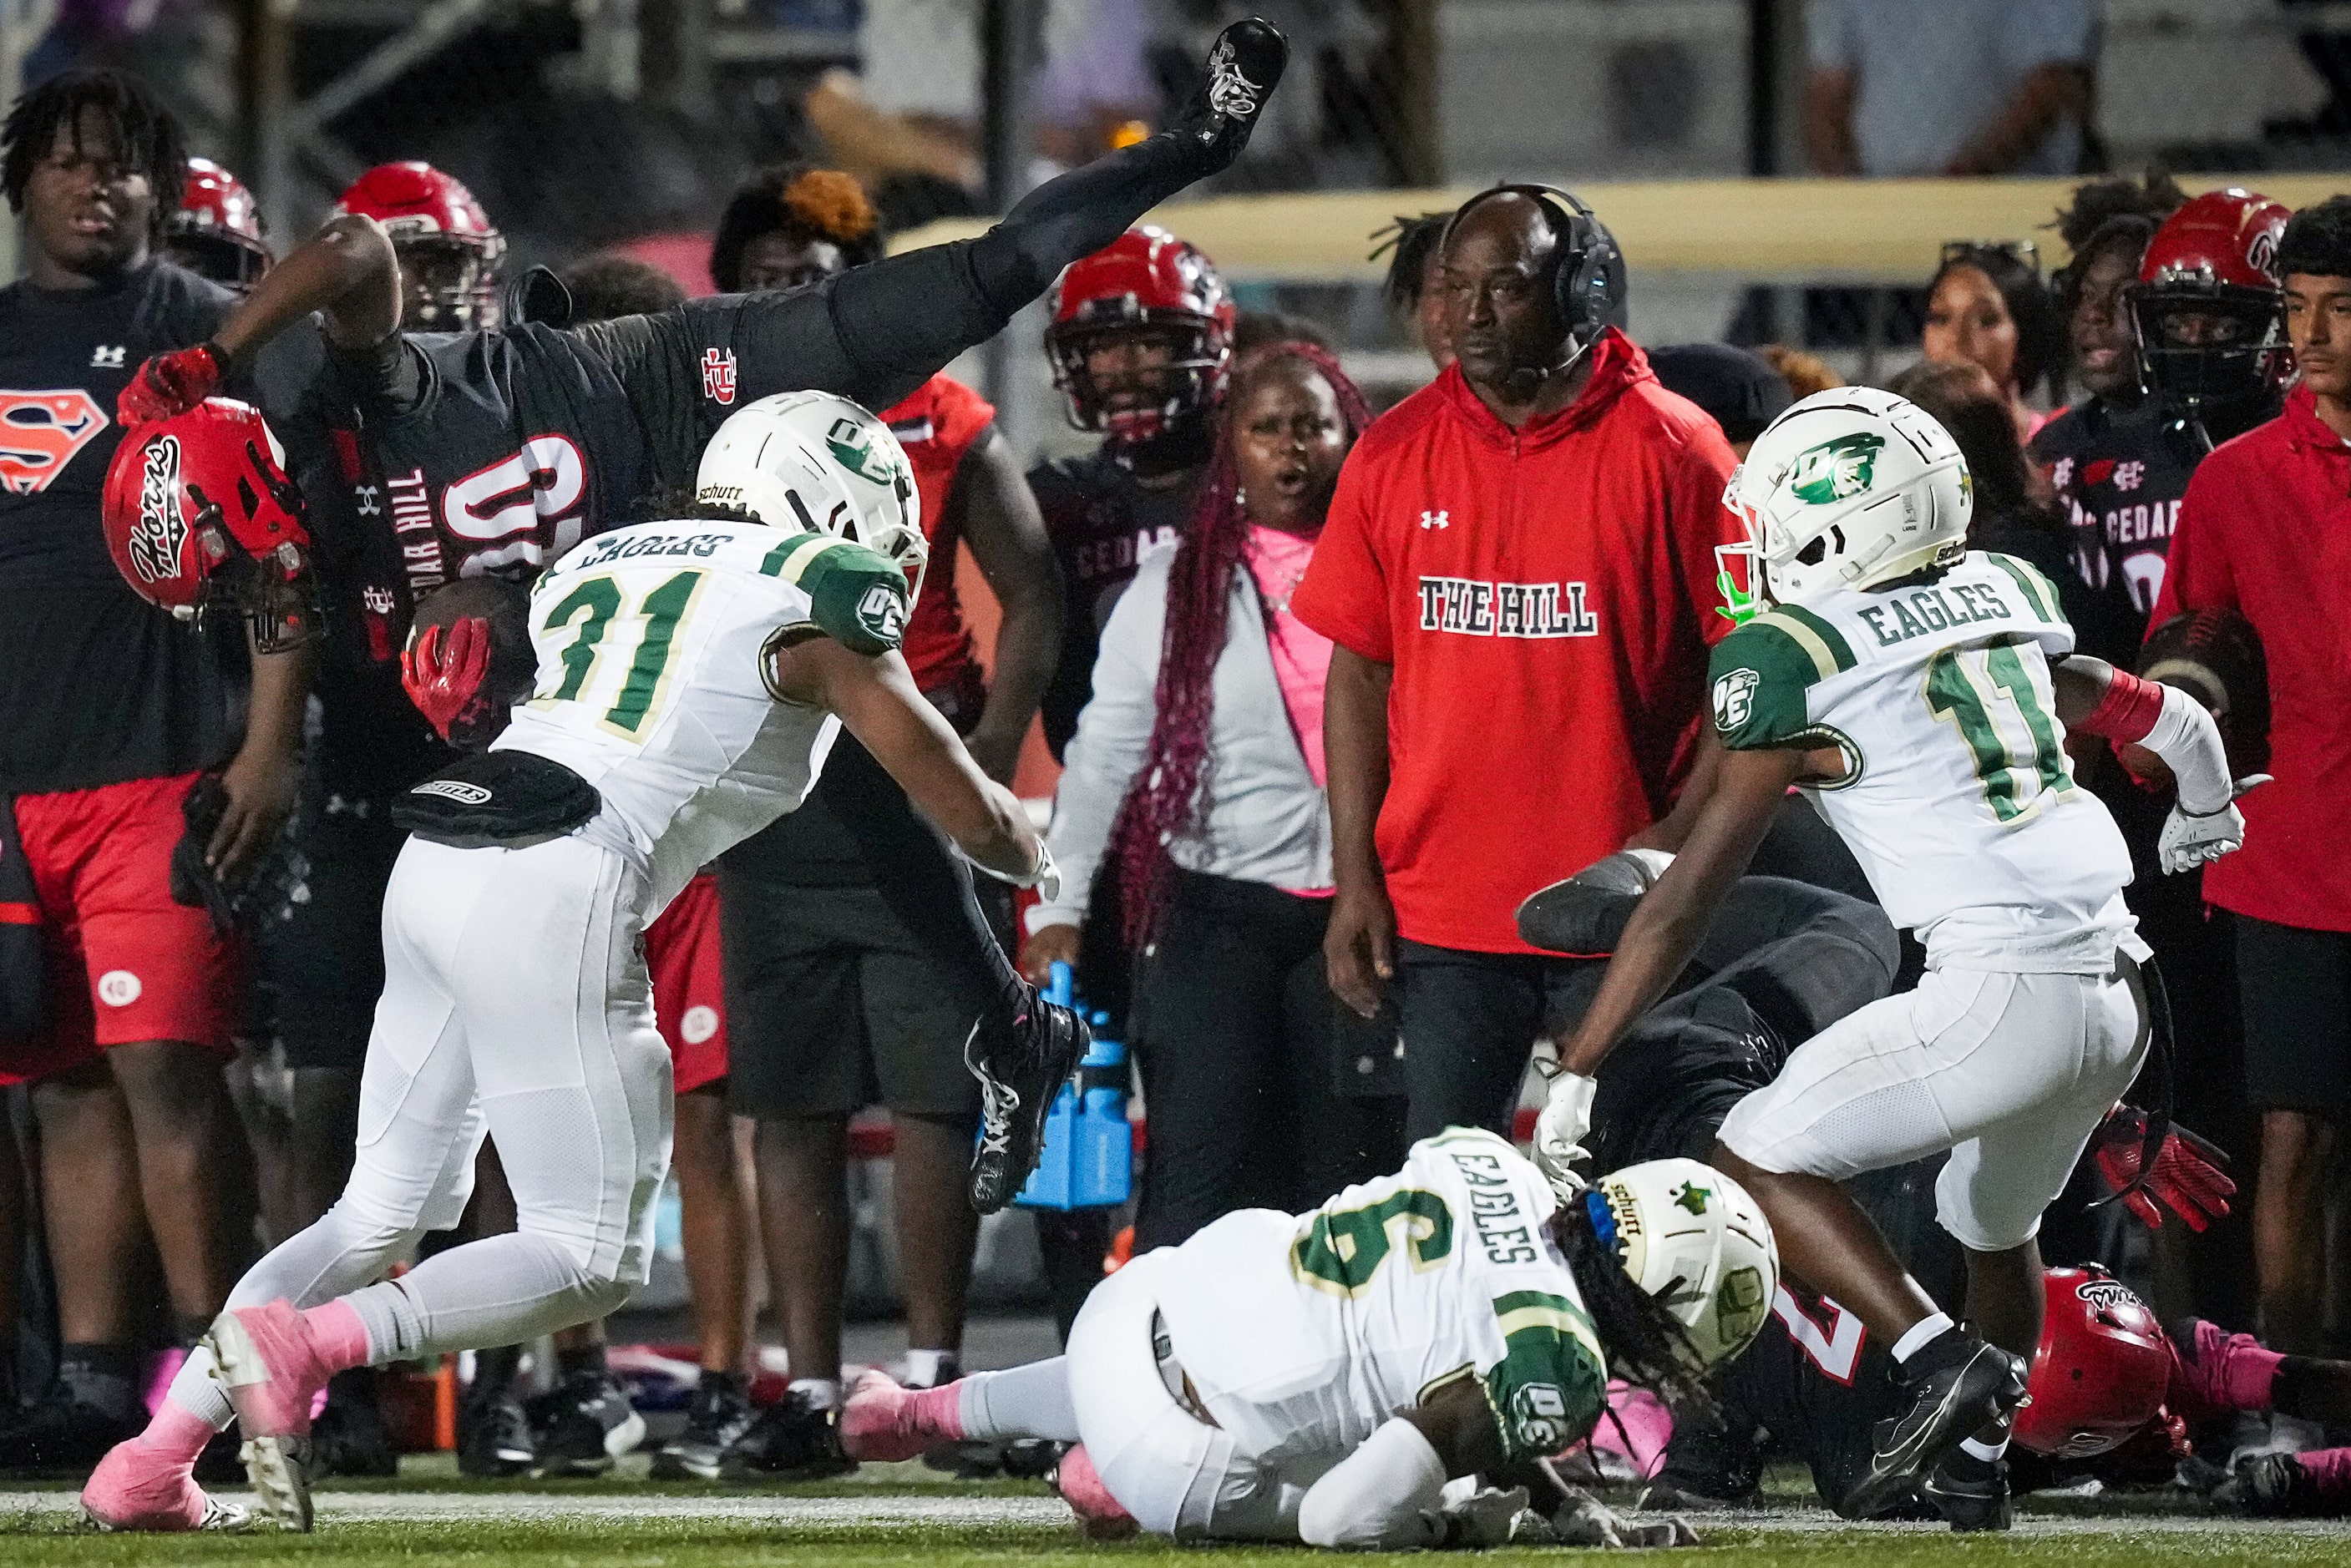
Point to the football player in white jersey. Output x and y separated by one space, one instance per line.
1919 695
1319 1377
691 677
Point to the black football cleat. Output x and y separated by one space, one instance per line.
493 1437
1019 1072
1970 1493
1967 1386
583 1424
1245 64
719 1412
2268 1486
350 1438
59 1438
791 1441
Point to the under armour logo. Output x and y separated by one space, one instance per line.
365 495
106 358
1435 520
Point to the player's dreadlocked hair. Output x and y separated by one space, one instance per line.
1407 243
2097 203
804 202
1167 801
144 131
1647 1347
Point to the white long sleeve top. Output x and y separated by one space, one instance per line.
1267 819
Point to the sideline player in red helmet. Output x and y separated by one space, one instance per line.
449 250
217 232
2210 314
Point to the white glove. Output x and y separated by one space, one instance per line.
1586 1522
1559 1132
1489 1518
1046 879
2188 840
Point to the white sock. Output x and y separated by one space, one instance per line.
824 1393
196 1390
929 1368
1032 1401
1922 1334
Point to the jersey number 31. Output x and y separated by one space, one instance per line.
593 605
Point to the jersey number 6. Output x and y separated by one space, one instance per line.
1340 1253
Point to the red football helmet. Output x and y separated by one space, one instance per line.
199 514
449 249
2102 1369
1144 285
217 230
2207 309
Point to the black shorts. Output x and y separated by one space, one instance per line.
325 961
2296 986
832 1006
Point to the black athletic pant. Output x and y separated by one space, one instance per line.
1234 1029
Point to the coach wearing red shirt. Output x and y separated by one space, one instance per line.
1518 573
2265 529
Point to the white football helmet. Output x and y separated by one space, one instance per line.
1849 488
1695 1241
815 460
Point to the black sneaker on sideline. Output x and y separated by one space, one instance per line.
350 1438
791 1440
1964 1385
1019 1078
218 1464
582 1424
1244 66
718 1413
58 1438
493 1437
1032 1459
1970 1493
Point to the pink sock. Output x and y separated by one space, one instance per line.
938 1409
342 1336
2327 1473
182 1433
2252 1369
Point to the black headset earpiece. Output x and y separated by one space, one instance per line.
1587 272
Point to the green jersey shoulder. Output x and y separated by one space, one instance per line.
1763 671
857 597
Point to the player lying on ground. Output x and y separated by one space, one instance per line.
1782 962
691 676
1319 1377
1916 692
427 457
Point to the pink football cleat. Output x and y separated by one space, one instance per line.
137 1487
273 1366
1101 1516
884 1421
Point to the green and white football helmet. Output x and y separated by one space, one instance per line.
1849 488
1696 1243
815 460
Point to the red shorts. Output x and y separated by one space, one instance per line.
122 962
689 998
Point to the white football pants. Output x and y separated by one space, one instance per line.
1178 1474
515 1003
2012 1073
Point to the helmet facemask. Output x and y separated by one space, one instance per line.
449 283
2206 345
1187 383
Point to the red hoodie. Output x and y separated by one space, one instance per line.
1546 596
2265 529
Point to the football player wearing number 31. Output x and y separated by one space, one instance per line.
1919 694
692 675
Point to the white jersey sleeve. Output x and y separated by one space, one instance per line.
651 643
1303 1334
1956 793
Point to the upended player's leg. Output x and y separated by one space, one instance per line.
582 1114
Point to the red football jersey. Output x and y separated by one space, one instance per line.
937 424
1546 596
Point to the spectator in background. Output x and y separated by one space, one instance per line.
1518 571
1804 373
1415 272
1988 306
831 1003
1911 87
1737 387
1198 767
2264 531
110 712
605 287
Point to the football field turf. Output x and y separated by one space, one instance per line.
905 1517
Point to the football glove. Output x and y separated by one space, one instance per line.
1488 1517
1585 1521
2189 1178
2189 839
1559 1130
443 675
1046 879
169 384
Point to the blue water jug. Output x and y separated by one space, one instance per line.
1088 1161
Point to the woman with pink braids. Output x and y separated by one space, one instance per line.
1197 764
